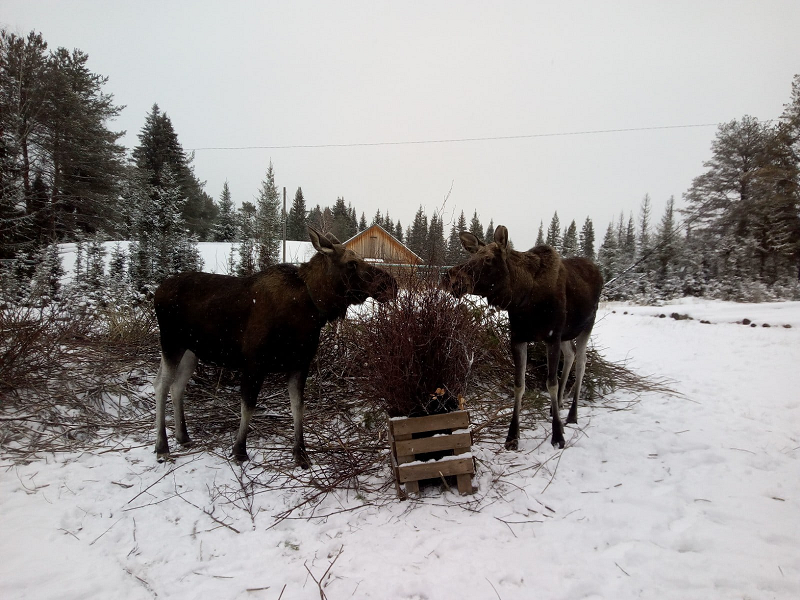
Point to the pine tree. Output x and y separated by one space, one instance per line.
455 250
296 228
418 234
643 243
608 255
158 149
225 227
668 245
628 248
475 227
554 232
489 235
436 246
343 226
268 222
586 241
569 245
53 116
540 235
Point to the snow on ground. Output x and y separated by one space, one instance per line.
215 255
690 496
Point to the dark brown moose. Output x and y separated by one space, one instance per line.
268 322
548 298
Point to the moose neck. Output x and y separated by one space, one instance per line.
531 276
325 291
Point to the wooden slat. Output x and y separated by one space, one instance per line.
453 420
464 484
434 469
455 441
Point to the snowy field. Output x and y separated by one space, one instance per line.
689 496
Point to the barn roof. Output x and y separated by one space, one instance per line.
401 247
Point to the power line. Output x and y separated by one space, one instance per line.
455 140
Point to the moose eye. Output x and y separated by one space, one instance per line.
352 265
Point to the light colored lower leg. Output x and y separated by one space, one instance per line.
244 425
166 374
580 369
569 358
178 388
296 384
519 352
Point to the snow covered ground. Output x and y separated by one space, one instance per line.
690 496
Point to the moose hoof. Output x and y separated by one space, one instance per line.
183 439
301 458
162 450
239 454
512 444
558 440
572 419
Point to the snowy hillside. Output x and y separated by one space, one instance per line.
688 496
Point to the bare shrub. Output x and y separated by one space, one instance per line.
30 341
419 350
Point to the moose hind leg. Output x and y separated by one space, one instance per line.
164 379
569 358
519 352
297 384
553 352
580 368
178 388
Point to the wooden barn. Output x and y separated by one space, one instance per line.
377 245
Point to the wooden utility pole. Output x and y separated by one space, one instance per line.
284 225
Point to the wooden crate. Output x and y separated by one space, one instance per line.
452 435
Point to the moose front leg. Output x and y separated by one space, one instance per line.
519 352
251 385
553 354
297 384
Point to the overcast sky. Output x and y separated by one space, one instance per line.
345 76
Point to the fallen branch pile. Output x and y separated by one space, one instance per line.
84 383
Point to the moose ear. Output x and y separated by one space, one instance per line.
320 242
332 238
501 236
471 243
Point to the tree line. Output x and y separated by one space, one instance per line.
65 177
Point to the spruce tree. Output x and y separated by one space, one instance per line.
643 243
268 222
554 232
455 250
398 231
225 227
296 228
436 245
569 245
158 149
540 235
608 254
489 235
362 223
418 234
343 226
475 227
586 241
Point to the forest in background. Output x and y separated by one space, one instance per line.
64 177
